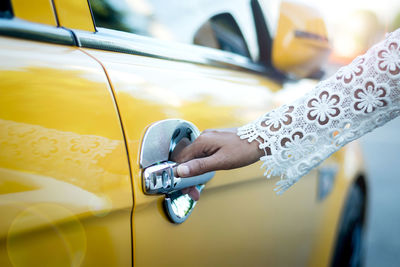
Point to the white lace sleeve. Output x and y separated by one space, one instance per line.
357 99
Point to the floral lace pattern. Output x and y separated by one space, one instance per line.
276 119
357 99
349 73
369 97
323 108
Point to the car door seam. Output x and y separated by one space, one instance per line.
125 141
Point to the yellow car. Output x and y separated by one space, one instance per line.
89 116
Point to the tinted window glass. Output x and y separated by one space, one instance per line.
222 32
5 9
182 21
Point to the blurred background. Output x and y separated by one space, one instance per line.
357 24
353 27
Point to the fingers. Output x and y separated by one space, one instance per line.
184 142
192 192
184 154
199 166
182 170
194 150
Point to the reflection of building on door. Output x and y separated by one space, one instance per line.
81 160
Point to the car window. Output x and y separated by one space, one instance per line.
222 32
179 21
5 9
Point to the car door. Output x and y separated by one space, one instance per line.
238 220
65 189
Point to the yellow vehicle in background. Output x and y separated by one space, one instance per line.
89 116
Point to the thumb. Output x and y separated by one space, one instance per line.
197 166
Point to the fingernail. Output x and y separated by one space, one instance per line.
183 170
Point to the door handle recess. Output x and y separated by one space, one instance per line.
160 139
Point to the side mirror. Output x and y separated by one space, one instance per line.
301 45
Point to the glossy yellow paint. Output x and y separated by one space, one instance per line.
300 45
39 11
239 219
65 189
74 14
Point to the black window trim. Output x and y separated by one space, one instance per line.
18 28
264 39
6 10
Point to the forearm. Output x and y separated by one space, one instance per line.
357 99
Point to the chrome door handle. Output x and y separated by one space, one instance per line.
160 179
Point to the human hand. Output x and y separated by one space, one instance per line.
214 150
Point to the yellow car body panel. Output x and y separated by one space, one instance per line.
39 11
74 14
64 176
